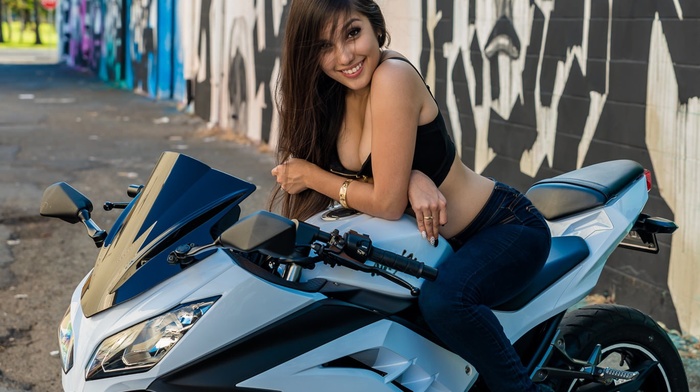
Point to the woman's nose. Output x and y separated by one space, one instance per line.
345 54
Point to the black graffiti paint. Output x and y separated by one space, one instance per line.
267 60
264 60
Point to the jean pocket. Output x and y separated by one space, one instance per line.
528 214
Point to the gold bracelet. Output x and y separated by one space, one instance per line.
343 194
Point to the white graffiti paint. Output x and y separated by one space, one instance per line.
188 14
510 81
673 141
547 116
224 55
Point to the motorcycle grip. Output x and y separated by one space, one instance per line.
403 264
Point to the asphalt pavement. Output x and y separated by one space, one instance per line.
55 119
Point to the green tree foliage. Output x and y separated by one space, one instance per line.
2 19
30 12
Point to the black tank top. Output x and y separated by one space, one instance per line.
434 153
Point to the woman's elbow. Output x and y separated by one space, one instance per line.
393 211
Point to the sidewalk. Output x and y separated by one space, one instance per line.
28 56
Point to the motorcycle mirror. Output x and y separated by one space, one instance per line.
64 202
264 232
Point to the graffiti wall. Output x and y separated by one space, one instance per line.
534 88
232 61
131 43
529 89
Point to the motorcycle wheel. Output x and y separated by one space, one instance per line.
628 338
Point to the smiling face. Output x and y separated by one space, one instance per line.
350 51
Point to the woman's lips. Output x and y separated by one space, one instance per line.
354 71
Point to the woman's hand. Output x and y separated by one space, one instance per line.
428 204
291 175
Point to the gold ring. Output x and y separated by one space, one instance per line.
428 218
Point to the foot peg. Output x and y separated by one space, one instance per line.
608 375
588 370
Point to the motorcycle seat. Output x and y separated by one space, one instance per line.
565 253
582 189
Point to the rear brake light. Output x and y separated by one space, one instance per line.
647 174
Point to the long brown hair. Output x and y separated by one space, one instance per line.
310 103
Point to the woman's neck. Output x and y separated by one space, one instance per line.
358 95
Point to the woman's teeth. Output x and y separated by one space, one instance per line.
354 69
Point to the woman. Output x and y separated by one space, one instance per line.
349 106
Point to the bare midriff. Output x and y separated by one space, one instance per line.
466 193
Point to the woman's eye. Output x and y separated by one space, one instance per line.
326 46
354 32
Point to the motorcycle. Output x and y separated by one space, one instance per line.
187 295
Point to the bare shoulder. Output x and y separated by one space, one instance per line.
395 74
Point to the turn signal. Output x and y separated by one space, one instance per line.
647 174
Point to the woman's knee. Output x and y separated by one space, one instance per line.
433 300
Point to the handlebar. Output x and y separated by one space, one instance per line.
359 247
403 264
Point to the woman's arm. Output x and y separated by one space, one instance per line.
395 103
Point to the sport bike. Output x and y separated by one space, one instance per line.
187 295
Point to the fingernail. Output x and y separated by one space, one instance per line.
432 241
436 243
423 234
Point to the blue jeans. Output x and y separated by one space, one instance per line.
495 258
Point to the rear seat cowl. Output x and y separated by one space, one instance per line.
582 189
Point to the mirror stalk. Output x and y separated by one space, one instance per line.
98 235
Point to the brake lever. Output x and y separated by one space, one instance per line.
413 289
335 250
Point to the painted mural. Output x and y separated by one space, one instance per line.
114 38
232 63
80 28
672 122
142 47
129 43
529 89
534 88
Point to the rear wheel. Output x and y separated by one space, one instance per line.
631 341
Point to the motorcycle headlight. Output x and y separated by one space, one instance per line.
139 348
65 341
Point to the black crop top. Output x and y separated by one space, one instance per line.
434 153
